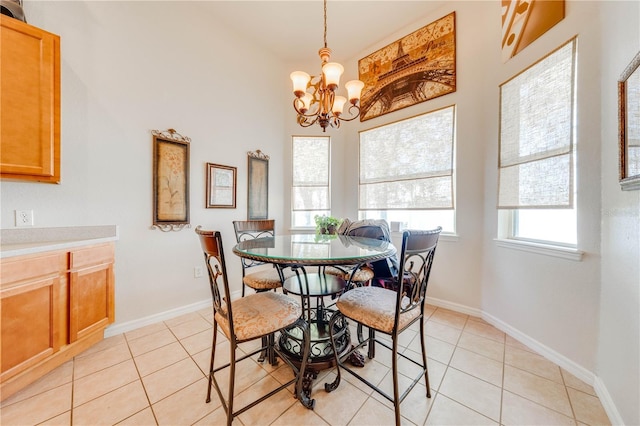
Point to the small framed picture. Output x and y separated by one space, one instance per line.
221 186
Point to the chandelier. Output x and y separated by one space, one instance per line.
321 104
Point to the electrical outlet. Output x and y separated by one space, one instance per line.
24 218
197 272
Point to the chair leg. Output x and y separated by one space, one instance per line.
232 379
424 358
372 344
213 356
394 370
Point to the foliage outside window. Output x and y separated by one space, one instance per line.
406 171
536 158
310 191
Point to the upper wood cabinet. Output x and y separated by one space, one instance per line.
30 102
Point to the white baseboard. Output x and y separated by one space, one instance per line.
463 309
576 369
607 403
118 328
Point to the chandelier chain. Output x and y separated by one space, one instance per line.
316 100
325 23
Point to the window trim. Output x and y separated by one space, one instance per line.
540 248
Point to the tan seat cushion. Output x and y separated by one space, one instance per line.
374 307
260 314
332 270
265 280
362 275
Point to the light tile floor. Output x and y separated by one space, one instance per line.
156 375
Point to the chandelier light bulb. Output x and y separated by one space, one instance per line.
338 105
354 89
332 72
306 102
300 81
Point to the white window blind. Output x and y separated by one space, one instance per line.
408 164
536 134
310 188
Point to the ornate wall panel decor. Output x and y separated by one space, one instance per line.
523 21
414 69
170 180
258 186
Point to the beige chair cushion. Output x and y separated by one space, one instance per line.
265 280
363 274
374 307
331 270
260 314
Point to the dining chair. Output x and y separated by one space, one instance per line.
264 279
367 228
390 312
256 316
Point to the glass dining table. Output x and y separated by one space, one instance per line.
308 255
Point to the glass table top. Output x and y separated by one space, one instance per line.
313 249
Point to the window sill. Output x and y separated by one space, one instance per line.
545 249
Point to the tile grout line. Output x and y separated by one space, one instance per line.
146 394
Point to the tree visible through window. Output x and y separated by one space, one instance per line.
310 190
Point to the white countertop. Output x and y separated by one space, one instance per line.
21 241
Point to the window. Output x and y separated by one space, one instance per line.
406 171
536 158
310 190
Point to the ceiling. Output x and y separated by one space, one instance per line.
293 30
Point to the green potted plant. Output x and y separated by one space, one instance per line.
326 224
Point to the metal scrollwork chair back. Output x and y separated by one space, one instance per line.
265 279
256 316
391 311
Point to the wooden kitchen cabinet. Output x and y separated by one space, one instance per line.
31 308
53 306
30 102
91 282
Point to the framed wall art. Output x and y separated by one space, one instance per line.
170 180
629 125
221 186
414 69
258 186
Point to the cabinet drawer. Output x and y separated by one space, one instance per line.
15 270
90 256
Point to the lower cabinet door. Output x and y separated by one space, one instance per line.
90 300
30 324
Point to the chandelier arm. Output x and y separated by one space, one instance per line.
341 118
303 122
302 114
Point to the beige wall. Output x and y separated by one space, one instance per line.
129 67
